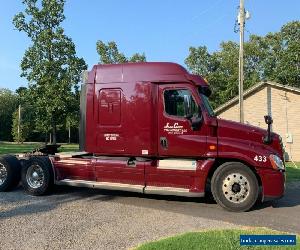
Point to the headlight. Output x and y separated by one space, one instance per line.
276 162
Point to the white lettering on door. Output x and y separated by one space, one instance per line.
174 129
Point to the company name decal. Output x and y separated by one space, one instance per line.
111 137
174 129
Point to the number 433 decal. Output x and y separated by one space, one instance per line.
260 158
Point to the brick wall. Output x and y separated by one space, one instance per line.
285 110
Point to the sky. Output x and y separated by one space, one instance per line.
162 29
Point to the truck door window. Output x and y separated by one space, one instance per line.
174 102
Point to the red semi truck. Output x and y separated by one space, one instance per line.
149 128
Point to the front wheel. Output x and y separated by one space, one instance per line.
37 175
235 187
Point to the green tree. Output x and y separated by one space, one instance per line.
27 126
271 57
109 54
283 50
72 120
200 61
50 64
21 127
8 104
136 57
219 68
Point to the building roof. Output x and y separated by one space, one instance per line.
252 90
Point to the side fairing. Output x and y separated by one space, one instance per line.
121 119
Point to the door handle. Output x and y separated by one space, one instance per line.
164 142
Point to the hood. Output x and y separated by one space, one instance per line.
251 135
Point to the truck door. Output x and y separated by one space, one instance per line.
179 173
176 137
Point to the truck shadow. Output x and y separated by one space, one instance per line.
290 199
282 214
18 203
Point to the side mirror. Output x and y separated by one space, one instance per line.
268 119
268 138
188 107
196 122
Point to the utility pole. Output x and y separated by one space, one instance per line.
69 123
19 122
241 21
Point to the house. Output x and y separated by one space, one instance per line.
279 101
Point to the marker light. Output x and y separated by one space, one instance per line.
276 162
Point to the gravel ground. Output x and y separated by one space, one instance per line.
74 218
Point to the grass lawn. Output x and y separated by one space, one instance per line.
292 173
215 239
12 148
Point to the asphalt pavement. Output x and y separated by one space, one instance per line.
79 218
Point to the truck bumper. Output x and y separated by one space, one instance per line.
273 183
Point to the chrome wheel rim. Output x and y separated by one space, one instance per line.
35 176
236 188
3 173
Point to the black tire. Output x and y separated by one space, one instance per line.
11 170
42 166
235 187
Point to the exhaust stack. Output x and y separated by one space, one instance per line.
82 125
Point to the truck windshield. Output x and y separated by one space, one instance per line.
207 105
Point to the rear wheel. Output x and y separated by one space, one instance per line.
37 175
235 187
10 169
